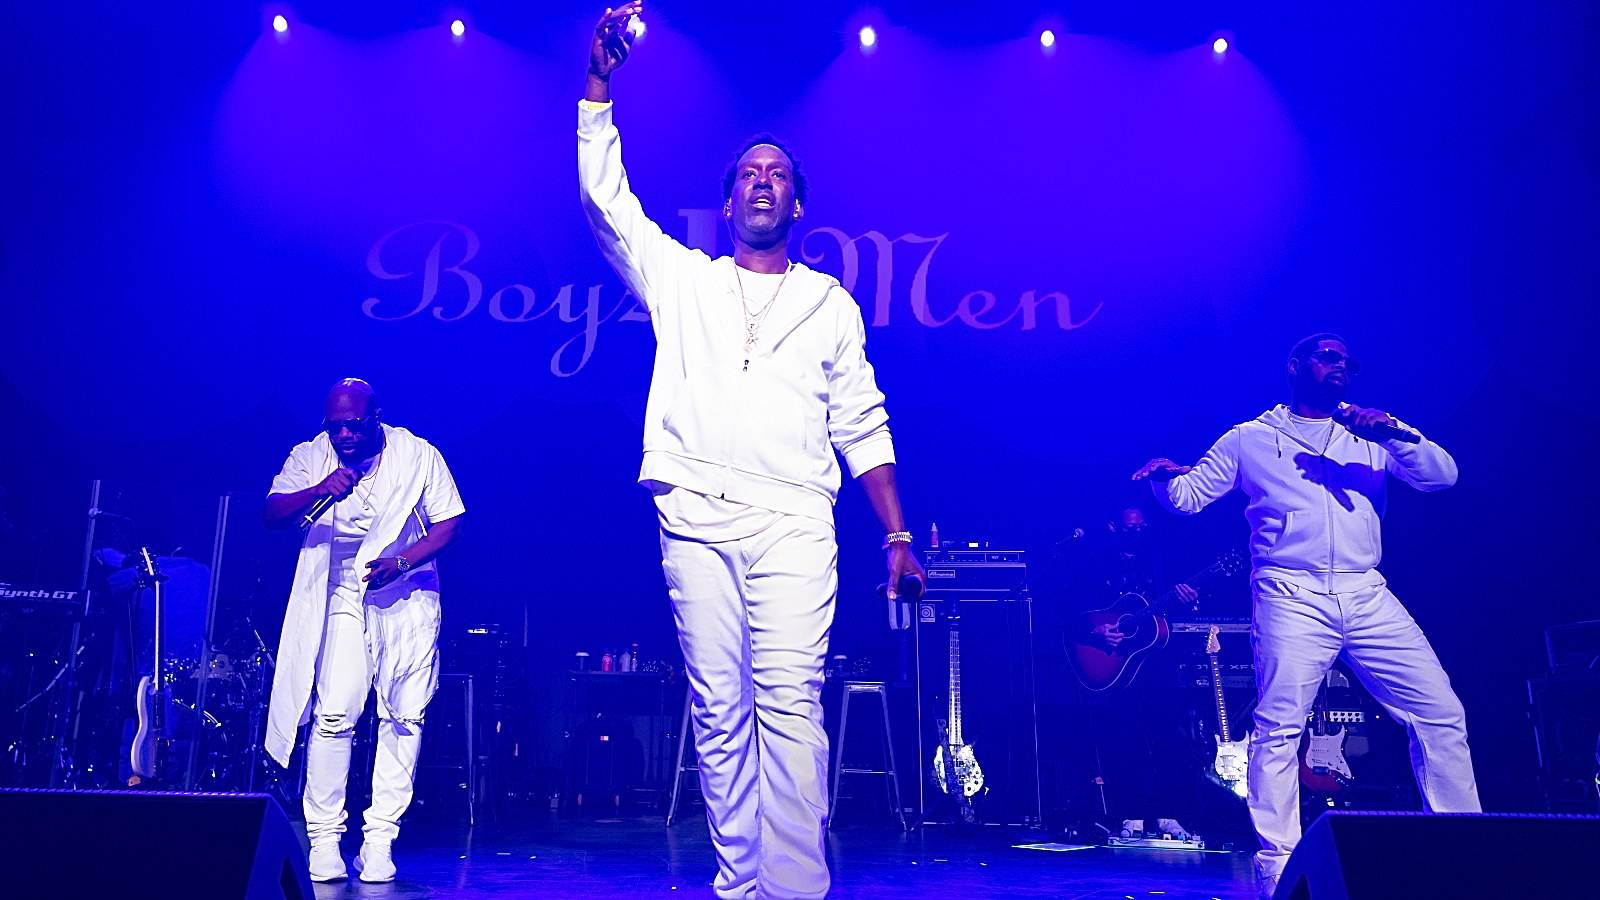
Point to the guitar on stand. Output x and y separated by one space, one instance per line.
1323 768
1143 623
955 765
1231 767
147 754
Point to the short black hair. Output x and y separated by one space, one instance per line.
1308 345
801 192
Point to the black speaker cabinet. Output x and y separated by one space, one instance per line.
998 704
149 844
1375 855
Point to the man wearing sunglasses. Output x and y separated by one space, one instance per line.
1315 473
377 504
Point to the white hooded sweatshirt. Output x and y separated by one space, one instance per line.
1315 513
763 436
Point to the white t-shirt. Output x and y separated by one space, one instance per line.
1316 433
352 519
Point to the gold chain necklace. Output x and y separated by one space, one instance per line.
752 322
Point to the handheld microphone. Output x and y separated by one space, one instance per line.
1384 431
316 511
900 607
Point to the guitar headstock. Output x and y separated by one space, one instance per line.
1213 645
149 568
1229 564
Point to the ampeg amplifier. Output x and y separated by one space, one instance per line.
974 573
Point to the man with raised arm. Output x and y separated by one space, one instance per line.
760 377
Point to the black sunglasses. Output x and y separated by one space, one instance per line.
356 426
1334 357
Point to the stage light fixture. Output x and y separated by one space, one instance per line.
1219 46
869 37
1047 39
458 28
280 24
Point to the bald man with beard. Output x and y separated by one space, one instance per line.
363 615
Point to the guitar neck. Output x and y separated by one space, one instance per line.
1222 706
955 685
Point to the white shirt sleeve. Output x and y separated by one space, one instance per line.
858 424
1425 466
440 499
296 474
1212 478
636 247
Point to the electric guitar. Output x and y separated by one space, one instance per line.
1231 767
147 753
955 765
1323 768
1099 665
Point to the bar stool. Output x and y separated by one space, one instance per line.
851 688
679 769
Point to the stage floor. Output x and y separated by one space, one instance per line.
642 857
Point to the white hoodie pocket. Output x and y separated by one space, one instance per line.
776 428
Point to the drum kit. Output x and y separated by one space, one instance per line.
219 708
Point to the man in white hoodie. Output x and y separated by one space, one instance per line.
760 376
1315 473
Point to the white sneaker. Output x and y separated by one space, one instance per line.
1266 882
326 863
375 862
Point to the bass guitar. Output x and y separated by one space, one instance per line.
147 753
1100 665
955 763
1231 767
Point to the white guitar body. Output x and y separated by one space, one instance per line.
1232 766
142 753
968 773
1325 753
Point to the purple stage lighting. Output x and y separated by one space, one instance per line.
1219 46
458 28
869 38
280 24
1047 39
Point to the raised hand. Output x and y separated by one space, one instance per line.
1161 469
612 40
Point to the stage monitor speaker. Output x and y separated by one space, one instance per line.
1404 854
149 844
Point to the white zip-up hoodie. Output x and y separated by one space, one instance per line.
1315 515
763 437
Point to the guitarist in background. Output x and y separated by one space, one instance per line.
1315 473
1140 734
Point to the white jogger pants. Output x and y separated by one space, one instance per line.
1297 634
344 676
753 618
